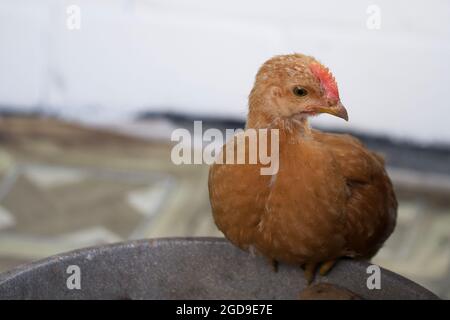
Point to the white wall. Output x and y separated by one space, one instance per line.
201 56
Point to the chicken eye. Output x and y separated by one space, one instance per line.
299 91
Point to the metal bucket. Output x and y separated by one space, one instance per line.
184 268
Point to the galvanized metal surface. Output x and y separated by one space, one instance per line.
186 268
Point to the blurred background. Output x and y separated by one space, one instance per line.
91 90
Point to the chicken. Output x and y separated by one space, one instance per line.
331 197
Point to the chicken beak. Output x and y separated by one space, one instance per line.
337 110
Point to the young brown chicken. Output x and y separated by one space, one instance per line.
330 198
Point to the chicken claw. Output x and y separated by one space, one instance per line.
326 266
273 264
310 269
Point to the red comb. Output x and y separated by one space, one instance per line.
326 80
